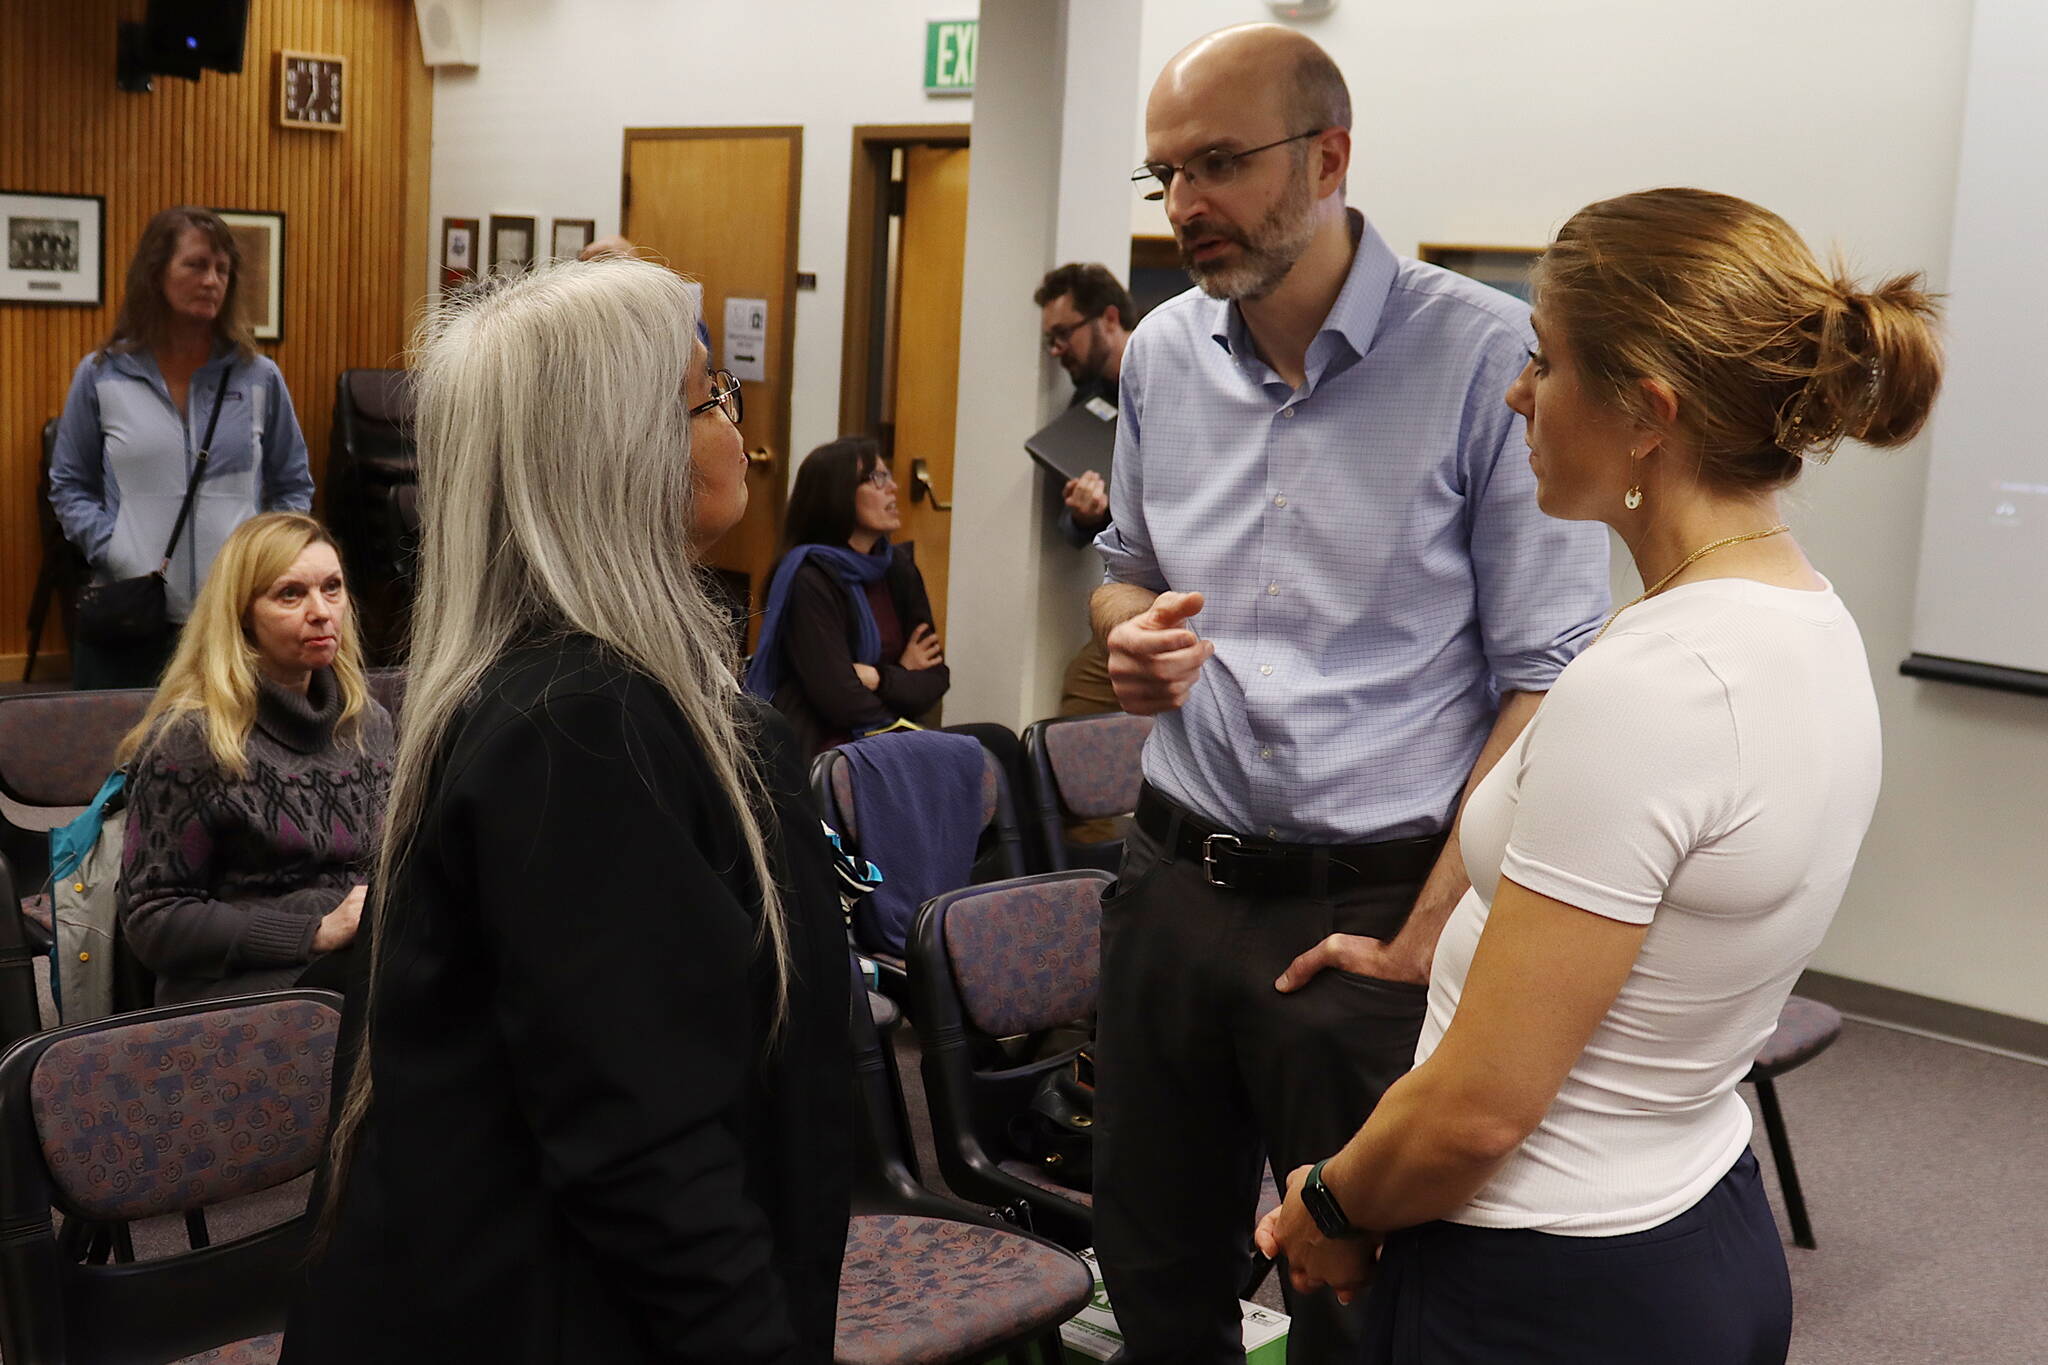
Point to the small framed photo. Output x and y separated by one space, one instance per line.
260 237
459 251
571 235
1506 268
511 244
55 248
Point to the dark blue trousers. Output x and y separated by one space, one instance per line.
1709 1287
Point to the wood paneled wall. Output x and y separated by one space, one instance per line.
355 206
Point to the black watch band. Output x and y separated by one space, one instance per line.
1323 1206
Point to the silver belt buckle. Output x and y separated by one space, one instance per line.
1209 858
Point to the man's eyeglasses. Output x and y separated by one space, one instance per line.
725 396
1057 335
1211 169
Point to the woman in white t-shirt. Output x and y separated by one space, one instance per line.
1566 1175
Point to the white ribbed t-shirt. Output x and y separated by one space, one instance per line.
1708 769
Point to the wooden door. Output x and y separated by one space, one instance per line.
926 364
720 206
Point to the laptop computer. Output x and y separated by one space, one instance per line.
1080 439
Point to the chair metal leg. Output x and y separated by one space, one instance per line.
195 1229
124 1245
1781 1156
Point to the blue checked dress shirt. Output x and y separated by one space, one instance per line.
1375 568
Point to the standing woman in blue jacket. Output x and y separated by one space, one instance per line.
137 413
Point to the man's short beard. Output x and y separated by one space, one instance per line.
1266 253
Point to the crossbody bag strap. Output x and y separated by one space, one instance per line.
220 397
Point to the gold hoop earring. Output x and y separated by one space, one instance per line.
1634 497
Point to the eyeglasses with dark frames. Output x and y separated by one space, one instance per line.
879 477
1060 333
1211 169
725 396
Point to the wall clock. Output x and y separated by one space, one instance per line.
311 89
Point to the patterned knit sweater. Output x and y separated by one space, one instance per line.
224 879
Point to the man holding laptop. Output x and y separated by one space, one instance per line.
1086 316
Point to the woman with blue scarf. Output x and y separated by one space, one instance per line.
847 647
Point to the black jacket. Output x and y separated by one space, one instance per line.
582 1145
824 702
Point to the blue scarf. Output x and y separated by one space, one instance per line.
850 567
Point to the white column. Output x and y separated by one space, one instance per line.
1054 124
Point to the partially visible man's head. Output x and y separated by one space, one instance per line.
1251 129
1086 314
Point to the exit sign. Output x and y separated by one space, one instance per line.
949 50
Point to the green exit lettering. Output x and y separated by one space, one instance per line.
950 46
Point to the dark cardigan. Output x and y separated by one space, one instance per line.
224 879
825 703
583 1145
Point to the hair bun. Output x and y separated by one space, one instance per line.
1876 370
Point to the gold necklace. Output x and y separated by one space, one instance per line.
1685 564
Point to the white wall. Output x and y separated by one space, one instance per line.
539 126
1489 121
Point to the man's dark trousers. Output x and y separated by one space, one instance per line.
1201 1066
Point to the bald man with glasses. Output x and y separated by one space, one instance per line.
1328 578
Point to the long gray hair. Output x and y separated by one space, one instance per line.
556 492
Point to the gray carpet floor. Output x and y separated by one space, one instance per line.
1926 1170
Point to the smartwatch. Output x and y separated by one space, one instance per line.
1323 1206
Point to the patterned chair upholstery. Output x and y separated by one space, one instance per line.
927 1291
161 1111
158 1117
263 1350
1084 768
56 748
1806 1028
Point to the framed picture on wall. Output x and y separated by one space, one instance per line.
571 235
54 248
459 247
1506 268
260 236
511 243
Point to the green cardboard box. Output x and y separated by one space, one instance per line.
1091 1334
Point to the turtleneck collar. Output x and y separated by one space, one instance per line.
304 724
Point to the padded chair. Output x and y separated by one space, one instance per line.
927 1279
63 568
56 748
999 853
372 492
1084 768
162 1111
990 962
1806 1028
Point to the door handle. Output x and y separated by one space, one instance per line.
763 458
921 486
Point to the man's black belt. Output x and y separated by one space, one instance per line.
1238 862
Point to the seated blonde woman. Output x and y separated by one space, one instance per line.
257 778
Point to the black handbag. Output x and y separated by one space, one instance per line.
1057 1132
133 611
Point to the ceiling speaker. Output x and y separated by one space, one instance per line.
1301 9
451 31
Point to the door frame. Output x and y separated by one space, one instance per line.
867 229
778 481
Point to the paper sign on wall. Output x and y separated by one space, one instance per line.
746 338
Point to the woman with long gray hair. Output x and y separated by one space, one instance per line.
603 1093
